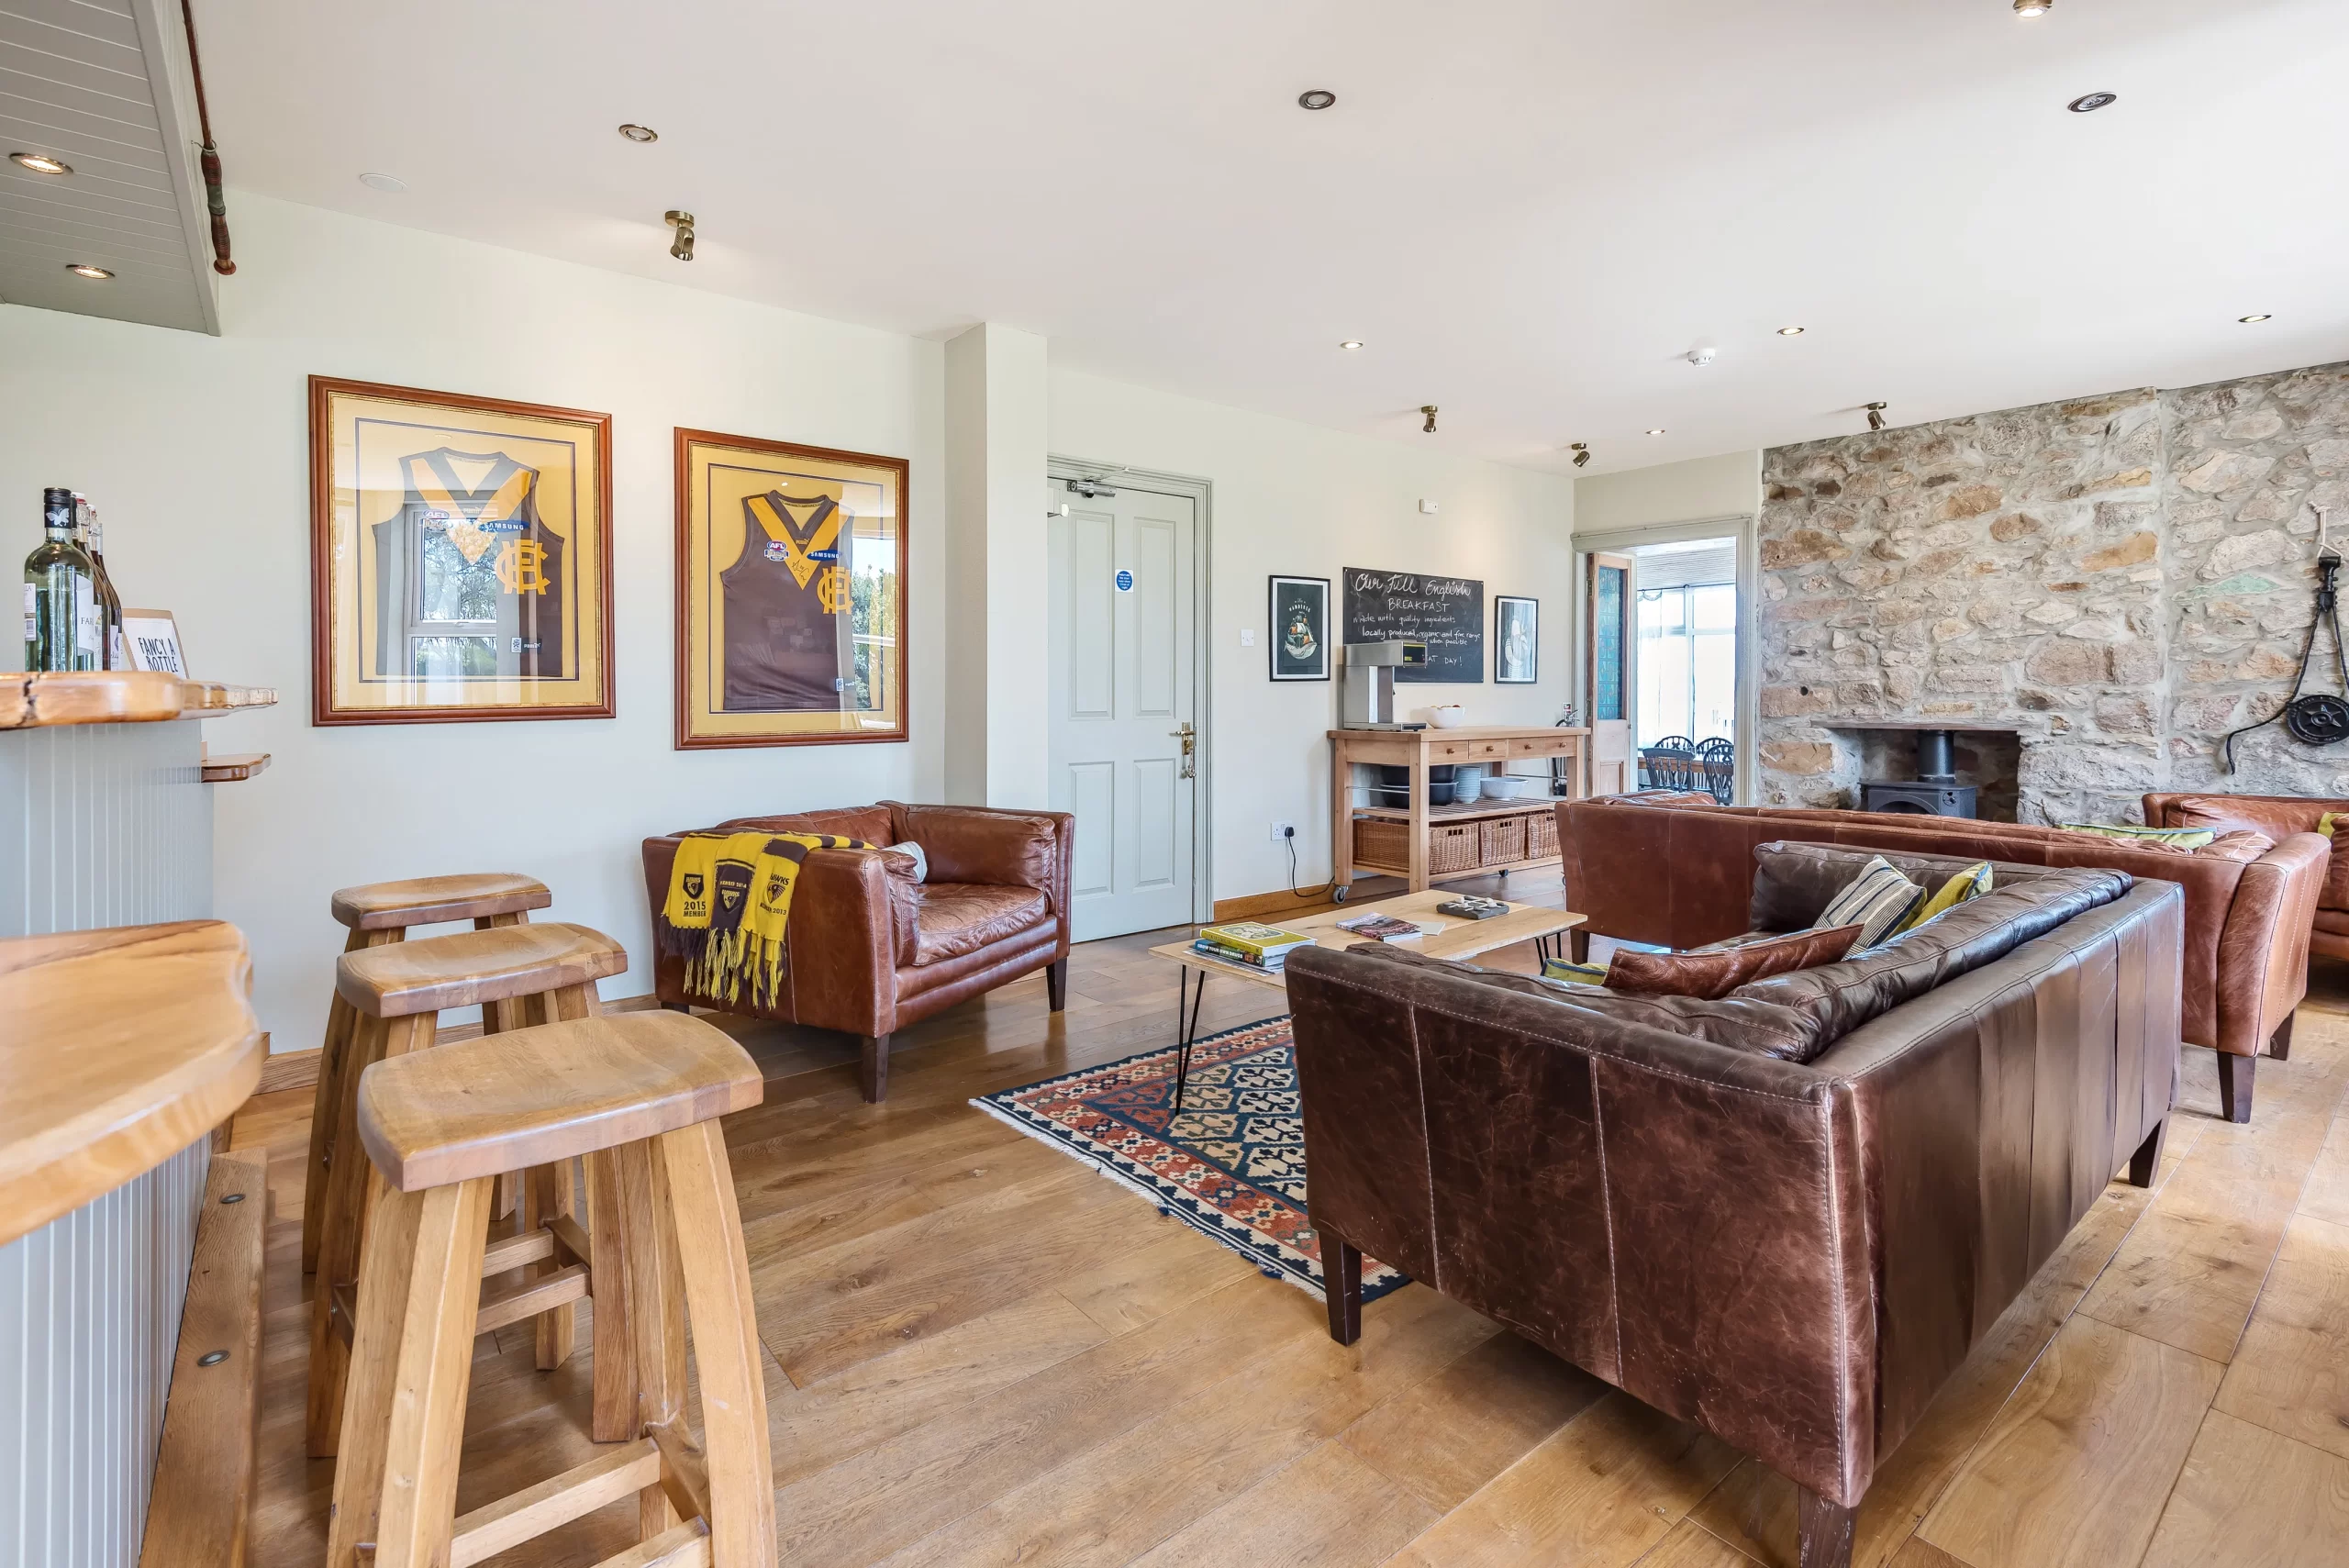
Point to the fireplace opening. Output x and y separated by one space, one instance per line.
1920 770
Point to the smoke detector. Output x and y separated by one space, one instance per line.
1703 354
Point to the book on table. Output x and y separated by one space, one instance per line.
1382 927
1254 937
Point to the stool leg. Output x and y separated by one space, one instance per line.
416 1368
343 1024
654 1280
726 1347
616 1418
343 1223
549 1192
496 1017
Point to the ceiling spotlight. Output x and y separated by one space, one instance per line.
683 222
83 270
2254 320
1876 415
1318 98
1351 344
1790 332
1581 452
391 185
2034 8
41 163
1655 432
640 133
2088 102
1428 410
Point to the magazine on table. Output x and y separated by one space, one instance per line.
1382 927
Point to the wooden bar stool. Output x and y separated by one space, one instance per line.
639 1093
378 913
396 994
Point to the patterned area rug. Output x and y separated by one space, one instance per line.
1233 1164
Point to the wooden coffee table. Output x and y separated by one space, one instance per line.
1458 939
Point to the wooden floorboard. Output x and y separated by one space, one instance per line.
979 1352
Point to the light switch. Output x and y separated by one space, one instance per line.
1247 637
1427 508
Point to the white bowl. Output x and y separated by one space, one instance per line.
1450 715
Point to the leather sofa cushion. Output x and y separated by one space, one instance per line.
1000 846
2245 844
1712 975
1765 1028
1793 881
2334 922
869 823
1840 998
2278 820
956 918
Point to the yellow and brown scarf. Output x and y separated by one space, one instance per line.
729 904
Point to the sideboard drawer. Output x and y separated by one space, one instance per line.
1543 746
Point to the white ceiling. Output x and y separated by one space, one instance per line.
1527 208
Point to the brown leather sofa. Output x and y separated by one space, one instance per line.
871 949
2276 816
1794 1256
2246 922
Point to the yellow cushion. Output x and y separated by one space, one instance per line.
1574 974
2175 837
1971 883
2324 823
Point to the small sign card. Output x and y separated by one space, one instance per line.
154 639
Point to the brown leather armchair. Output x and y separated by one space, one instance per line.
872 949
2247 923
2276 816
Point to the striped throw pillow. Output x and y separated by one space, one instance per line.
1574 974
2175 837
1877 901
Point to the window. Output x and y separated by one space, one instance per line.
1688 634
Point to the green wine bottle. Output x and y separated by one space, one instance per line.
64 628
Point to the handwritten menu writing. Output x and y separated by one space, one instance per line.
1446 613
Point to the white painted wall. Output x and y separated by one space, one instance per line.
194 449
1298 500
1700 489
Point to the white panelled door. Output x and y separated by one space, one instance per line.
1123 641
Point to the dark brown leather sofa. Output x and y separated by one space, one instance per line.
1794 1256
2276 816
2246 922
871 949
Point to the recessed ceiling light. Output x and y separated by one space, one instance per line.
1790 332
2088 102
390 184
640 133
1351 344
2034 8
1316 98
2254 320
41 163
1655 432
83 270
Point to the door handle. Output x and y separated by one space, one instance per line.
1190 738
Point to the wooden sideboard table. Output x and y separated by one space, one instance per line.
1420 749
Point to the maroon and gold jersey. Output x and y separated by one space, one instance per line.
468 580
789 647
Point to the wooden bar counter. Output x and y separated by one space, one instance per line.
1420 749
124 1039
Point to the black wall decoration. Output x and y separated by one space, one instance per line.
1446 613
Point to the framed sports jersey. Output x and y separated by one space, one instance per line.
791 593
460 558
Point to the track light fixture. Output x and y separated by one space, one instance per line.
683 222
1428 410
1581 452
1876 415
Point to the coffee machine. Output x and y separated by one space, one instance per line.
1368 699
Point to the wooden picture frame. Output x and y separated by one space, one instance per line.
460 557
158 646
1516 663
1286 600
827 583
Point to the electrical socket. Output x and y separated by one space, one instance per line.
1282 830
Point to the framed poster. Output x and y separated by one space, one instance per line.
1517 641
460 558
791 593
1299 619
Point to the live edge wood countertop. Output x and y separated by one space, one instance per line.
116 696
118 1049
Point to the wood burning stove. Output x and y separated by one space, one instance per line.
1935 792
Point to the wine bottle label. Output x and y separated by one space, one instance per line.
88 629
32 612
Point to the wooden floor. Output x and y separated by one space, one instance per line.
980 1353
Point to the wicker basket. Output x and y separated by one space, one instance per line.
1386 845
1501 840
1540 835
1452 846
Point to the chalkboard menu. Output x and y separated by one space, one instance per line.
1446 613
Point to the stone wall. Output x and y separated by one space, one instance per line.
2119 579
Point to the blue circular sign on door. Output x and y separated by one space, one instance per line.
1125 581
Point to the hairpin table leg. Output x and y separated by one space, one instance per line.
1186 1027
